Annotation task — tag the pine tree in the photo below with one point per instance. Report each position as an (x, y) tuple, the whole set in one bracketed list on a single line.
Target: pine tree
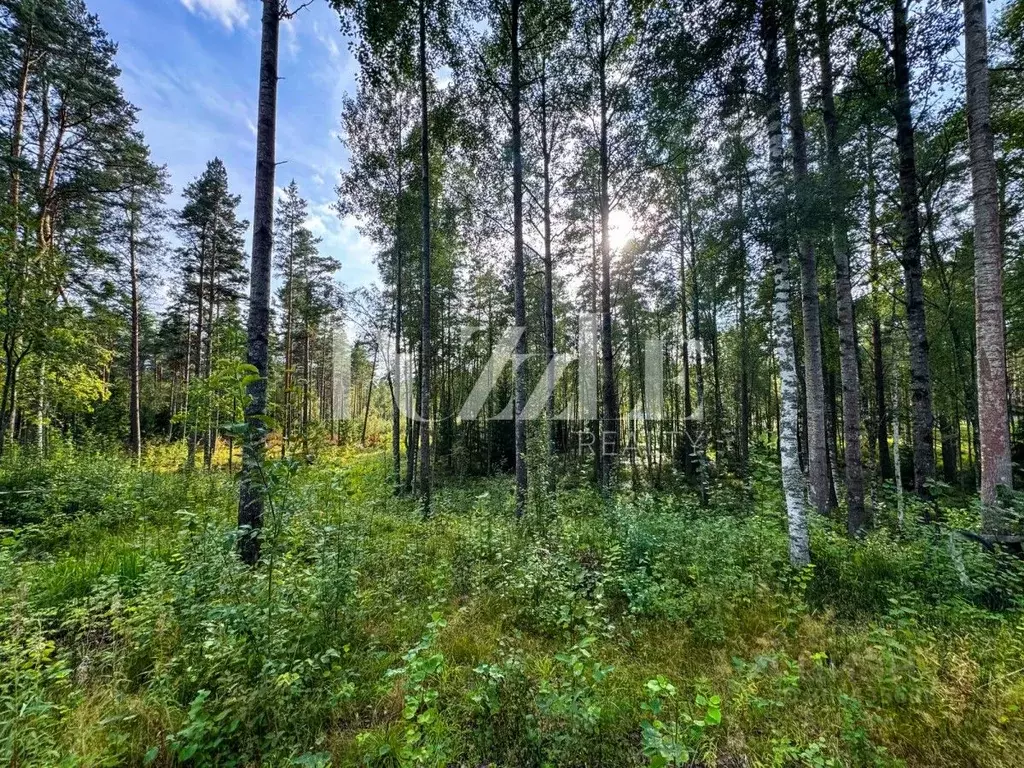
[(142, 189), (213, 277), (251, 491)]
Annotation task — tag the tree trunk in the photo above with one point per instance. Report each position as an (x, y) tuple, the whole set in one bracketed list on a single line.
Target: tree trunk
[(878, 361), (744, 361), (17, 128), (426, 477), (210, 434), (792, 477), (289, 362), (412, 450), (134, 414), (518, 266), (609, 438), (910, 257), (993, 425), (814, 382), (898, 471), (252, 490), (306, 374), (547, 140), (369, 396), (687, 448), (848, 365), (197, 373), (700, 439), (399, 385)]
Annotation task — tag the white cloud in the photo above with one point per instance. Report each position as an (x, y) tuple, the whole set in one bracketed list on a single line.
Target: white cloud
[(228, 12), (342, 239), (291, 38), (327, 41)]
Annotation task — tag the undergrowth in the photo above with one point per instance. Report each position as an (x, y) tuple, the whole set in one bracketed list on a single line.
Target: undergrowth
[(646, 630)]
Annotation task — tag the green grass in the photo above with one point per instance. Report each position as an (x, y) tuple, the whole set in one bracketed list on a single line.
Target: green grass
[(592, 633)]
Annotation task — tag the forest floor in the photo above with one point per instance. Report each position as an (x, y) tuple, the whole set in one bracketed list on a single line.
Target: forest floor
[(647, 630)]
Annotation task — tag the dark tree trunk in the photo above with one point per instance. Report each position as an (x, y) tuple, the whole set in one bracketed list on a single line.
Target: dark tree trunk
[(849, 370), (289, 362), (700, 438), (743, 436), (686, 449), (518, 266), (252, 489), (426, 477), (210, 433), (949, 442), (398, 384), (305, 381), (134, 415), (609, 437), (910, 258)]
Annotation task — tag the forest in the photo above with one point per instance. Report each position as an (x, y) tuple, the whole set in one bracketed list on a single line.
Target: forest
[(680, 425)]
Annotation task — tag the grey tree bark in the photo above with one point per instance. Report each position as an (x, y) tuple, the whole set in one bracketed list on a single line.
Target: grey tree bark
[(884, 469), (910, 258), (426, 477), (814, 381), (286, 433), (700, 436), (609, 437), (848, 366), (993, 424), (547, 140), (134, 414), (399, 385), (792, 476), (518, 266), (252, 489)]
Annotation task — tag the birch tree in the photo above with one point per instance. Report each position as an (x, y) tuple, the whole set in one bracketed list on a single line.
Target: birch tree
[(996, 469)]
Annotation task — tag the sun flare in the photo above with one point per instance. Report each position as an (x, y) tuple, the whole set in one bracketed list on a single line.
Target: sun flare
[(620, 229)]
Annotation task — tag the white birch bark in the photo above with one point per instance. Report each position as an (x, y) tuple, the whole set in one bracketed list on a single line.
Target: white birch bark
[(789, 397)]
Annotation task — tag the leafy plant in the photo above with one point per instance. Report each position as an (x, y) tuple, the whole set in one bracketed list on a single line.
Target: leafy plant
[(669, 735)]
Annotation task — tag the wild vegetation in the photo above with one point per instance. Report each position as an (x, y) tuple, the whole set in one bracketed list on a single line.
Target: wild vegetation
[(678, 429), (656, 630)]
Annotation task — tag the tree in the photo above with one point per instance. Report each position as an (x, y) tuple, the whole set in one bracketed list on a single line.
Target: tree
[(426, 356), (792, 477), (849, 368), (252, 487), (993, 423), (376, 187), (609, 40), (910, 255), (213, 276), (68, 107), (290, 218), (518, 264), (814, 383), (143, 187)]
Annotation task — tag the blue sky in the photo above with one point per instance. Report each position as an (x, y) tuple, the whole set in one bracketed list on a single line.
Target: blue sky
[(191, 67)]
